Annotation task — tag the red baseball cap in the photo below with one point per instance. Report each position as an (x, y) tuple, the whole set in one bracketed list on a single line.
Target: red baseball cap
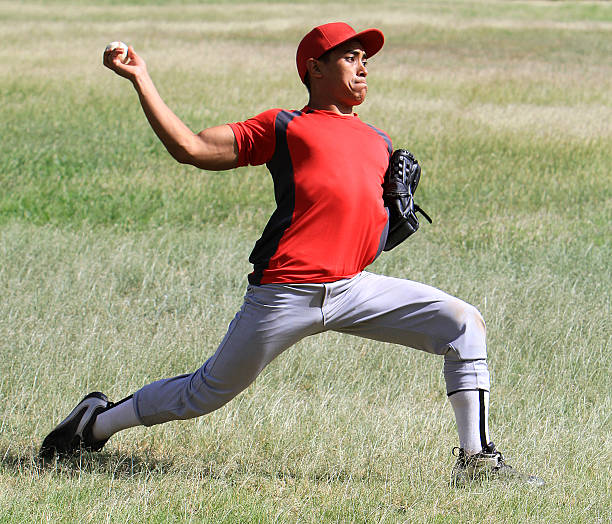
[(327, 36)]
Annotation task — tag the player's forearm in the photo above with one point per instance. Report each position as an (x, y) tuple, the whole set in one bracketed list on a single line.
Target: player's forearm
[(177, 138)]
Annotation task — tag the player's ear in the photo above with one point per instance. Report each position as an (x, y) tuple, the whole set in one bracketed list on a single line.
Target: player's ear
[(314, 70)]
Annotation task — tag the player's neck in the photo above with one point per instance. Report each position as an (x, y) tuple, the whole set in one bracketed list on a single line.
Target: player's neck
[(335, 107)]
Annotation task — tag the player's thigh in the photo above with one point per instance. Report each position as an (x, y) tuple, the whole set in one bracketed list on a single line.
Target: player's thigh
[(272, 319), (412, 314)]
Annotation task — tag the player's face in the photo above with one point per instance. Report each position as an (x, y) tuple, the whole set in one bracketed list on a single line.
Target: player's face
[(344, 74)]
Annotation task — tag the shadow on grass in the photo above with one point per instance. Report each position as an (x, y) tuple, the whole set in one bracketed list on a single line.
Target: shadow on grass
[(144, 464), (112, 462)]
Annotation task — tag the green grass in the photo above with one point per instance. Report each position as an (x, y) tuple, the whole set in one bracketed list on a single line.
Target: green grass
[(119, 266)]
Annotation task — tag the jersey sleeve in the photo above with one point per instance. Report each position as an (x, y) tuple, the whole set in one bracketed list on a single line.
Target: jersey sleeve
[(256, 138)]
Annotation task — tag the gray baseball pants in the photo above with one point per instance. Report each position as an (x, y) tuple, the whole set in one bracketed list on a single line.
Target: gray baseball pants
[(276, 316)]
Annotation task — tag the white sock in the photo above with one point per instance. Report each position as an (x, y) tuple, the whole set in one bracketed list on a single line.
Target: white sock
[(471, 414), (119, 417)]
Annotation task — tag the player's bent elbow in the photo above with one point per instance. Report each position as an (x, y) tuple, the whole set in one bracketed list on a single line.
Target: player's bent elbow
[(181, 151), (194, 156), (182, 157)]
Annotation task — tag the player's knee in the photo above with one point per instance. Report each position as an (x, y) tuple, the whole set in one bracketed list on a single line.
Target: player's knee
[(476, 321), (462, 329), (461, 316)]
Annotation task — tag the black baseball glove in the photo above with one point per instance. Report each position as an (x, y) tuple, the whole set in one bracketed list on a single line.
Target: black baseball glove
[(401, 180)]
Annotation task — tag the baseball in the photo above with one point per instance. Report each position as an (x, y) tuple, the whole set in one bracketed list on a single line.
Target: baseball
[(123, 55)]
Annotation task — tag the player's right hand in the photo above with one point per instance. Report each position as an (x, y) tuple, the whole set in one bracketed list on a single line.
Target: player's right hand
[(134, 67)]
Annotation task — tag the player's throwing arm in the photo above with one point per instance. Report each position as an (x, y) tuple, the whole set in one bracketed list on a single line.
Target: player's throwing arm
[(213, 149)]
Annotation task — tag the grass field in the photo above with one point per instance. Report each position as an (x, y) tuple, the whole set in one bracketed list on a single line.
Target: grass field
[(120, 266)]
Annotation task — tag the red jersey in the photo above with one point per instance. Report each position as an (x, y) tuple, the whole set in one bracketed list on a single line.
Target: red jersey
[(330, 221)]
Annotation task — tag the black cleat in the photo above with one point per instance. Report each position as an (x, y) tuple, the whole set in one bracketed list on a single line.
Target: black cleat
[(488, 464), (74, 432)]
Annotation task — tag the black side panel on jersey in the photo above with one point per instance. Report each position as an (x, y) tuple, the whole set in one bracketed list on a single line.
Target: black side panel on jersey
[(384, 137), (281, 169), (385, 232)]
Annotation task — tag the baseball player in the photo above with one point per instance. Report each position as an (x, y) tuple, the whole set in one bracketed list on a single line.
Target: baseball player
[(308, 276)]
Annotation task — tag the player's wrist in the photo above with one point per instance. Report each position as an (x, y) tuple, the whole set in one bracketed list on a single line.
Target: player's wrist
[(141, 81)]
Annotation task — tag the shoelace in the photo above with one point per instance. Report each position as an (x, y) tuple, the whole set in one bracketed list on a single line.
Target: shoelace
[(460, 454), (501, 463)]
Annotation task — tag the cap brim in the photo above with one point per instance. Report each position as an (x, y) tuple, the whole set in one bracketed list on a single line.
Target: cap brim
[(372, 40)]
